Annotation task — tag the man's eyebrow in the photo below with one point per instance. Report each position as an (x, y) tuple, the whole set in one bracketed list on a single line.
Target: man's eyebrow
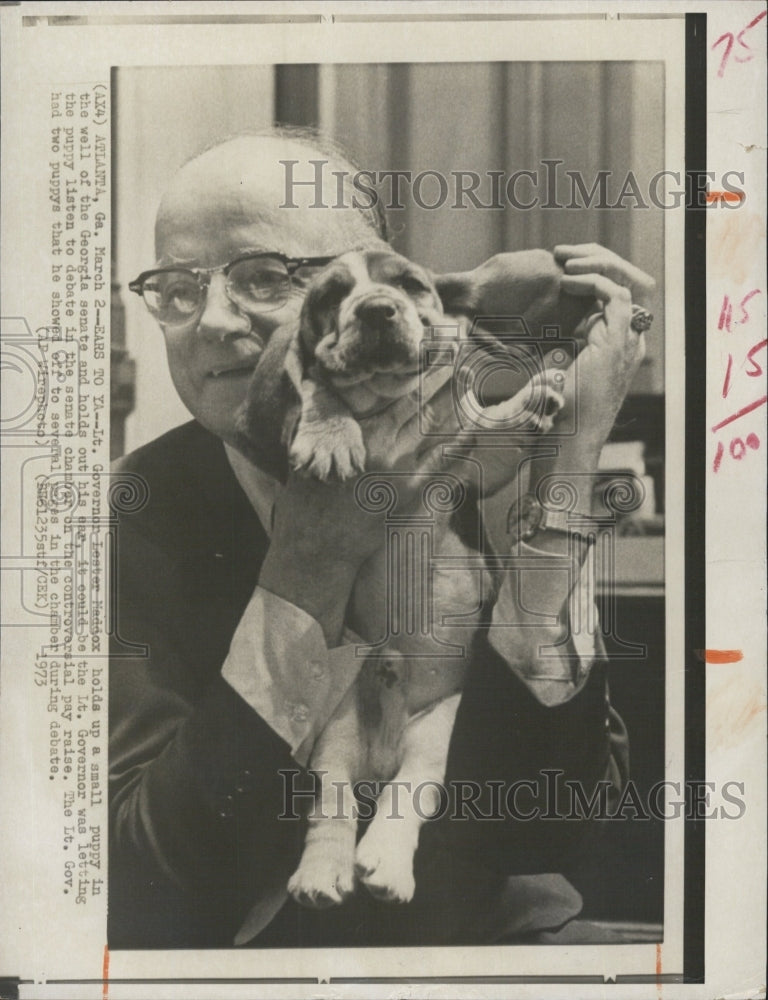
[(169, 260), (262, 249)]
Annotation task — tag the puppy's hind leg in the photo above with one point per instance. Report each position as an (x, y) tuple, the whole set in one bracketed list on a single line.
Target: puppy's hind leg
[(384, 857), (325, 875)]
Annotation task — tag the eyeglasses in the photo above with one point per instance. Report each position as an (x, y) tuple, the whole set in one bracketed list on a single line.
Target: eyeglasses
[(255, 282)]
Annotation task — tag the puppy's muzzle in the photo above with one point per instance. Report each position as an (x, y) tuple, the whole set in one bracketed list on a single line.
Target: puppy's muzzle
[(377, 315), (381, 336)]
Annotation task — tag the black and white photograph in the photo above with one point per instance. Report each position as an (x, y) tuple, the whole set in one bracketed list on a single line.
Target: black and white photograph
[(383, 432), (383, 635)]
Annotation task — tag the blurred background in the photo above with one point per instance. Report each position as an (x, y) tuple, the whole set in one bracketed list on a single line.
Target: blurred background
[(594, 116)]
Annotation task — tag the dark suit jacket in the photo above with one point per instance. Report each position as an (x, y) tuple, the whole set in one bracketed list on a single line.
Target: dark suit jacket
[(195, 782)]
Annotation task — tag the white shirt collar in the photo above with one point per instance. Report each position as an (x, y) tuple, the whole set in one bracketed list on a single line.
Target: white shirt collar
[(260, 488)]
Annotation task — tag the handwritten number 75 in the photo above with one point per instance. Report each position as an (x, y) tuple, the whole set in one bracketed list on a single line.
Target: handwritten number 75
[(728, 38)]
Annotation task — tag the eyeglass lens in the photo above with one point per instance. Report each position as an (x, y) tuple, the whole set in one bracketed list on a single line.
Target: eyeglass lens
[(255, 285)]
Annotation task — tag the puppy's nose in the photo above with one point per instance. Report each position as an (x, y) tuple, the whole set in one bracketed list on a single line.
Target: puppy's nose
[(376, 313)]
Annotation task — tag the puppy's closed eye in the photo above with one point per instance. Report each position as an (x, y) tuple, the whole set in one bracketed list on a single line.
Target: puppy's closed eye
[(331, 293), (412, 285), (320, 305)]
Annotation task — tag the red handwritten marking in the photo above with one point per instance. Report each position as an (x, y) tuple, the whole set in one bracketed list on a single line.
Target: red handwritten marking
[(740, 413), (729, 40), (743, 31), (719, 655), (737, 449), (713, 196), (105, 973), (757, 369), (742, 304), (727, 379), (725, 321), (725, 315)]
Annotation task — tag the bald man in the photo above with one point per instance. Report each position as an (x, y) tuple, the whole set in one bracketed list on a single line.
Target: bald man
[(230, 656)]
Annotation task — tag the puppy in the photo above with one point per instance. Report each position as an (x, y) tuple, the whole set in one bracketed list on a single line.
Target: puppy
[(357, 349), (355, 354)]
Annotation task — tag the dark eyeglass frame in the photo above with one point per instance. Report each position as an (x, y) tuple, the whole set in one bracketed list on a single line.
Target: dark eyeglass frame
[(203, 275)]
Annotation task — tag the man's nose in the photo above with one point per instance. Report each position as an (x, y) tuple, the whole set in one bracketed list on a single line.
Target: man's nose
[(221, 319)]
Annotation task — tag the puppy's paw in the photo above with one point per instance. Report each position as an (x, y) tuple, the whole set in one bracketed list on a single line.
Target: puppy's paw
[(333, 449), (548, 399), (385, 867), (324, 878)]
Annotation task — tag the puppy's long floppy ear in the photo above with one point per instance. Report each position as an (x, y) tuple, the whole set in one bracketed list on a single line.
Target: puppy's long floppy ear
[(267, 418), (524, 284)]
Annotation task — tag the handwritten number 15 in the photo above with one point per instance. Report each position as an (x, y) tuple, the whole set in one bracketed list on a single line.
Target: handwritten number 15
[(755, 369)]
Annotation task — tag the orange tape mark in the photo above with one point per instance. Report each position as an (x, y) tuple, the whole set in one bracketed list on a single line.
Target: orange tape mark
[(105, 973), (658, 969), (719, 655), (713, 196)]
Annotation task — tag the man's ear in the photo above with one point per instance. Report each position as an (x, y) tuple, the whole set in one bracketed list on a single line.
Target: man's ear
[(295, 362), (270, 411), (295, 368), (308, 334)]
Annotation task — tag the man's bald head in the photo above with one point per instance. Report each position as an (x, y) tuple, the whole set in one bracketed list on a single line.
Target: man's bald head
[(235, 197)]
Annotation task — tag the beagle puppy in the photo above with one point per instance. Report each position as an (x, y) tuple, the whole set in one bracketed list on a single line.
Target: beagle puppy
[(357, 349), (355, 354)]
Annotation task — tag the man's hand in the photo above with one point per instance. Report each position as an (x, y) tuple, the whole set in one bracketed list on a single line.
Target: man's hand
[(614, 351), (591, 258)]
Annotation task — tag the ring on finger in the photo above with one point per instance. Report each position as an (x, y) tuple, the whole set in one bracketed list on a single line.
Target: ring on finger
[(642, 320)]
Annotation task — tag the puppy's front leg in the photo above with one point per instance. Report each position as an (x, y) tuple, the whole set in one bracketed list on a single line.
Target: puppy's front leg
[(325, 875), (328, 441), (384, 857)]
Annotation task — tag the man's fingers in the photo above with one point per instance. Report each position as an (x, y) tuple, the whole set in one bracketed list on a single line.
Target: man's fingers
[(591, 258), (616, 299), (565, 251), (617, 270), (586, 265), (598, 286)]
